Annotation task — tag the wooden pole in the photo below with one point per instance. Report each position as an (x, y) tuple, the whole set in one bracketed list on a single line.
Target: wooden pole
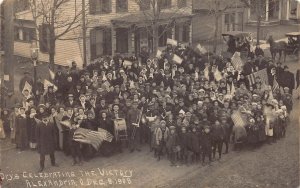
[(9, 42), (258, 12), (84, 34)]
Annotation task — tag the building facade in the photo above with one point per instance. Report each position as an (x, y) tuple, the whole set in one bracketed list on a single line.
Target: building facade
[(113, 27), (275, 11), (233, 17)]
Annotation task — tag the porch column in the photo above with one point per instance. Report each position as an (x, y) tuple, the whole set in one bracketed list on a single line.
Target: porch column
[(191, 33), (267, 10), (249, 11), (280, 10), (131, 42), (298, 10), (288, 9), (113, 41), (173, 32)]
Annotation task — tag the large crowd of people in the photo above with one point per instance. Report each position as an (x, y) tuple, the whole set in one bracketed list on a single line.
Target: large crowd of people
[(184, 110)]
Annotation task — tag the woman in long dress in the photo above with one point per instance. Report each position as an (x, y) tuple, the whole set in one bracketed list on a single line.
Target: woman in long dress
[(21, 130), (31, 125), (13, 117)]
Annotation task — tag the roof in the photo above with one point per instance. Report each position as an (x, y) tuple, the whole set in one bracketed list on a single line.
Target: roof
[(236, 33), (293, 34), (146, 17)]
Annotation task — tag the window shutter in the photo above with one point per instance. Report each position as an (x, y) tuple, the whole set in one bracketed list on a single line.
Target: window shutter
[(107, 43), (92, 6), (92, 42), (42, 38)]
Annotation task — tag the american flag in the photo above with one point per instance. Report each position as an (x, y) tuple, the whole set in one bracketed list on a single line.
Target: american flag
[(237, 61), (238, 119), (95, 138), (262, 74)]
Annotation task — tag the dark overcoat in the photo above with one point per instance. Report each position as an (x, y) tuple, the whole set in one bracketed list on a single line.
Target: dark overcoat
[(45, 135), (21, 132)]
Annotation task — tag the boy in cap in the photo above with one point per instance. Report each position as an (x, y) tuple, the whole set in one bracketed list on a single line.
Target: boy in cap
[(218, 133), (206, 144), (173, 146), (161, 136)]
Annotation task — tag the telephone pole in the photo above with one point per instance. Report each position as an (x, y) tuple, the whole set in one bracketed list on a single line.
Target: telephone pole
[(1, 59), (8, 6), (258, 12), (84, 34)]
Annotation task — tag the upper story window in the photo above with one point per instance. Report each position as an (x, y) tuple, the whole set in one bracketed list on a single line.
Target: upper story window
[(164, 4), (122, 5), (22, 5), (100, 6), (24, 34), (181, 3), (144, 4)]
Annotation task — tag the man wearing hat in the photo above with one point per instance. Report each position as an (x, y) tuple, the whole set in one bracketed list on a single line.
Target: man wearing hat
[(151, 114), (70, 101), (45, 135), (133, 123), (50, 96), (287, 79)]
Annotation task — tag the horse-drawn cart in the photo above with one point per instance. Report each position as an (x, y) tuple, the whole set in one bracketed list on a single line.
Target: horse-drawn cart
[(238, 41), (293, 45)]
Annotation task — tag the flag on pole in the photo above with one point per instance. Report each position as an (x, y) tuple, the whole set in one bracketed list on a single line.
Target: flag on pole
[(95, 138), (275, 85), (206, 73), (238, 119), (262, 74), (52, 75), (127, 63), (28, 87), (158, 54), (217, 74), (237, 61), (201, 49), (232, 90), (47, 83), (66, 123), (177, 59), (172, 42)]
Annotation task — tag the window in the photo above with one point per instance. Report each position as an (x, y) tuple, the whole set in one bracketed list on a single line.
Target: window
[(164, 33), (22, 5), (24, 34), (100, 6), (165, 4), (181, 3), (145, 4), (230, 22), (100, 40), (122, 40), (182, 33), (44, 36), (122, 5)]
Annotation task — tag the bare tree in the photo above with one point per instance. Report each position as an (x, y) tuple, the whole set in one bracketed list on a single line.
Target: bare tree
[(56, 19), (153, 11), (216, 9)]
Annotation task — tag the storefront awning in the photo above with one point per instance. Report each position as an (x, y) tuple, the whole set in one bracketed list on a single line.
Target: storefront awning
[(146, 18)]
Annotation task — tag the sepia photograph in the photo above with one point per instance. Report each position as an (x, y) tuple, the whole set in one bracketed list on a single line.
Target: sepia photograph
[(149, 93)]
